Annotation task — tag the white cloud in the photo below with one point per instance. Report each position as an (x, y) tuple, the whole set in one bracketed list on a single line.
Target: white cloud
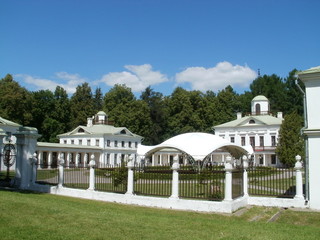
[(218, 77), (68, 81), (138, 78)]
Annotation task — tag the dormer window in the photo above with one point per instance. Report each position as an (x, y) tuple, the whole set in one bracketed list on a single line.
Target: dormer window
[(81, 130), (252, 121), (123, 131)]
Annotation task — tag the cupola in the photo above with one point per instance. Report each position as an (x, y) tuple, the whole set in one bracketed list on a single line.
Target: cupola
[(260, 105)]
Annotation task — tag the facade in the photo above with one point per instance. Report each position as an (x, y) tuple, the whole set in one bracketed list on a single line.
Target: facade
[(259, 129), (111, 145)]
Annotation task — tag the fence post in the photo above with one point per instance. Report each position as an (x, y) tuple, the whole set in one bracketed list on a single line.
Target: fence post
[(245, 175), (61, 169), (175, 178), (33, 161), (92, 165), (299, 185), (130, 166), (228, 181)]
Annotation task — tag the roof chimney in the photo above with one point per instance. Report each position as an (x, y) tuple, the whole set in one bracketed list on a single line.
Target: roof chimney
[(89, 122), (279, 115), (239, 115)]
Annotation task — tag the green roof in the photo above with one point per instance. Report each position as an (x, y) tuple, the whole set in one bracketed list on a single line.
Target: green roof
[(99, 129), (260, 119), (8, 123), (311, 70), (260, 98)]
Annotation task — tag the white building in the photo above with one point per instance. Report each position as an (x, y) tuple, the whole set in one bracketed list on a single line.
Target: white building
[(259, 129), (110, 145)]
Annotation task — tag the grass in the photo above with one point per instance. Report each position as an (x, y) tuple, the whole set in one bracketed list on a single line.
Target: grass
[(26, 215)]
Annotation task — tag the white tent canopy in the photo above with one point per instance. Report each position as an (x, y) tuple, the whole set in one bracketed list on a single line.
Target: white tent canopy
[(197, 145)]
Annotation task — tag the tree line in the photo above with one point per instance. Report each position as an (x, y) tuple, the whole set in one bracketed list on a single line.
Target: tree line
[(152, 115)]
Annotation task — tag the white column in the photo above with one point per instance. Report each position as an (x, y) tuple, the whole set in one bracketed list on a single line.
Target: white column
[(264, 160), (245, 175), (160, 159), (92, 165), (40, 159), (61, 166), (49, 159), (153, 160), (68, 159), (33, 161), (299, 184), (130, 185), (77, 159), (175, 178), (228, 181)]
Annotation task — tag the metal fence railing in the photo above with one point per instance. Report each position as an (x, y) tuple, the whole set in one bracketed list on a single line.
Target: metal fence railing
[(47, 174), (269, 181), (110, 178), (237, 182), (153, 180), (76, 177), (207, 183)]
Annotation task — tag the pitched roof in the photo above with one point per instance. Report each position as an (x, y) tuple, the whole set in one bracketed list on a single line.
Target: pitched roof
[(260, 98), (99, 130), (8, 123), (266, 120)]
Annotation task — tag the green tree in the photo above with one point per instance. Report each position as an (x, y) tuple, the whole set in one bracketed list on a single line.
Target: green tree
[(15, 101), (157, 114), (62, 109), (81, 105), (290, 141), (227, 105), (98, 100), (272, 87), (294, 95)]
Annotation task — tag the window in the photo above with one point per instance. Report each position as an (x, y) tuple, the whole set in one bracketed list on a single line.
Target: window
[(97, 142), (122, 143), (261, 141), (258, 109), (232, 139), (273, 141), (115, 158), (81, 130), (136, 144), (89, 142), (273, 159), (129, 145), (80, 141), (72, 141), (243, 141), (108, 143), (252, 121), (116, 143), (65, 141), (260, 159), (222, 136), (252, 142), (108, 158)]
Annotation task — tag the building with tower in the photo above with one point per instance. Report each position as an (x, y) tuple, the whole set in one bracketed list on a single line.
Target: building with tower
[(260, 129)]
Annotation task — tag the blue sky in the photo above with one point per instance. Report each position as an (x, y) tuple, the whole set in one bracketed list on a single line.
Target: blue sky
[(197, 44)]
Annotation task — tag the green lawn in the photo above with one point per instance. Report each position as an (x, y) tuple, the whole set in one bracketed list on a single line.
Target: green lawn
[(43, 216)]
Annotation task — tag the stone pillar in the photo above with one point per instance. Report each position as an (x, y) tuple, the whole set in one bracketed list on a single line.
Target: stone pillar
[(299, 182), (26, 145), (245, 175), (311, 80), (61, 169), (228, 180), (92, 165), (175, 178), (130, 184)]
